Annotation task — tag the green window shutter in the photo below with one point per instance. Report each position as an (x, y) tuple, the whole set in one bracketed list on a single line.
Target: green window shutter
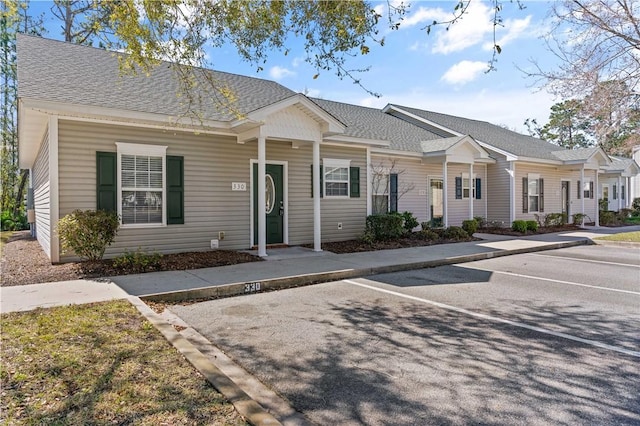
[(393, 192), (579, 190), (175, 190), (591, 189), (321, 181), (541, 195), (106, 181), (525, 195), (615, 192), (622, 191), (458, 188), (478, 189), (354, 182)]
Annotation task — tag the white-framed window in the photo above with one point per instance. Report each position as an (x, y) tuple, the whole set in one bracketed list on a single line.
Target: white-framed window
[(587, 189), (466, 186), (141, 184), (336, 178), (534, 192), (380, 194)]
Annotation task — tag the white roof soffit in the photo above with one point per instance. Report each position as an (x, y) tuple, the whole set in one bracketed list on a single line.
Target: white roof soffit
[(31, 128), (330, 124), (357, 141)]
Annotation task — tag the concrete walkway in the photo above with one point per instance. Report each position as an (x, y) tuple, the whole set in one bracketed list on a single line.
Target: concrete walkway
[(284, 268)]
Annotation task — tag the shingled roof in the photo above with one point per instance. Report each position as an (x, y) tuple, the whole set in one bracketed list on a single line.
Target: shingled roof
[(496, 136), (56, 71)]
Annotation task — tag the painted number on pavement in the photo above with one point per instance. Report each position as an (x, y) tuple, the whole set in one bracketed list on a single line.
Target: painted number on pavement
[(251, 287)]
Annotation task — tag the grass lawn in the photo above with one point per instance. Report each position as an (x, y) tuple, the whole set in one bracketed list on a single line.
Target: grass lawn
[(633, 220), (632, 237), (100, 364)]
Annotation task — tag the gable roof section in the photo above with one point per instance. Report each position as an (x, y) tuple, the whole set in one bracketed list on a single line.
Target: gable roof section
[(373, 124), (490, 134), (56, 71), (623, 166)]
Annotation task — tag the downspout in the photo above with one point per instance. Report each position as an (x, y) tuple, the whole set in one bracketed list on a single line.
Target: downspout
[(512, 190), (472, 181), (369, 183), (595, 189), (317, 223)]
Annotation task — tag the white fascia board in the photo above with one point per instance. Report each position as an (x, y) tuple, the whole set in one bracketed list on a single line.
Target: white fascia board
[(390, 107), (395, 153), (540, 161), (127, 116), (32, 126), (357, 141)]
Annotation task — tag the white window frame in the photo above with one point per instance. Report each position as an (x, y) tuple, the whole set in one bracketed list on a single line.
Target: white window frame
[(586, 191), (531, 177), (329, 163), (385, 176), (468, 187), (125, 148)]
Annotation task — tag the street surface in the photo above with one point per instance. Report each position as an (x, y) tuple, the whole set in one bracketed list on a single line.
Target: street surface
[(543, 338)]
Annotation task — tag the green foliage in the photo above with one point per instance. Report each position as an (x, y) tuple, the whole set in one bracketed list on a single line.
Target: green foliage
[(624, 213), (455, 233), (410, 221), (532, 225), (603, 204), (385, 226), (519, 226), (555, 219), (470, 226), (482, 222), (635, 205), (11, 222), (138, 261), (608, 218), (429, 235), (425, 225), (578, 218), (88, 233)]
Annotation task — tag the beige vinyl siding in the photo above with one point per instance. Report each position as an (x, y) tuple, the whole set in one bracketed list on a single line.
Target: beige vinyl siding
[(458, 209), (41, 195), (480, 206), (351, 212), (497, 193), (553, 177), (211, 164)]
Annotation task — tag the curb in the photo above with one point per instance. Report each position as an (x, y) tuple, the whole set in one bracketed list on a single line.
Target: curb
[(241, 288), (625, 244), (253, 412)]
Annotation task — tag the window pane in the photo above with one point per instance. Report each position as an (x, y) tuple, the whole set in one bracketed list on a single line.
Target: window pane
[(337, 173), (141, 207), (533, 187), (533, 204), (380, 204), (336, 189)]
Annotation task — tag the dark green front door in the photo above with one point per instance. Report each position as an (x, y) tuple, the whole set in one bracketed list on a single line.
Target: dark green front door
[(274, 203)]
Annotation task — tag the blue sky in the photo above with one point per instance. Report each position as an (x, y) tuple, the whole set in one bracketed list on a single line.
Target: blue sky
[(442, 71)]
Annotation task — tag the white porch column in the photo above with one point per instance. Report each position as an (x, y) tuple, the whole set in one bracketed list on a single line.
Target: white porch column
[(582, 186), (512, 190), (369, 183), (54, 194), (445, 197), (595, 189), (472, 188), (619, 192), (627, 192), (262, 213), (317, 224)]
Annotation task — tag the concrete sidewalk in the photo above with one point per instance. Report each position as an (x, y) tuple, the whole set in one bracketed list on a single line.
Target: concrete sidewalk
[(284, 268)]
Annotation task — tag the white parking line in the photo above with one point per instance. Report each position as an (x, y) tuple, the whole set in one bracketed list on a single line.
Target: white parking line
[(500, 320), (588, 260), (513, 274)]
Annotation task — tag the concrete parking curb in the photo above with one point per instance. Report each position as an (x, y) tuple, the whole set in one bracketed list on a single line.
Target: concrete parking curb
[(253, 412), (616, 243), (240, 288)]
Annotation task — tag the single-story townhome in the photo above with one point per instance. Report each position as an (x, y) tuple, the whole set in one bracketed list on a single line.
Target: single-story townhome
[(280, 168)]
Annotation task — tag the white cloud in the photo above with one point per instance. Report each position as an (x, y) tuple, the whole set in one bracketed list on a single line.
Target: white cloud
[(278, 73), (510, 108), (297, 61), (464, 72), (424, 16), (515, 29)]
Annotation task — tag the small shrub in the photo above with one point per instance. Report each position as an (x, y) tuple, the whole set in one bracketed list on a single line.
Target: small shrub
[(608, 218), (532, 225), (385, 226), (482, 222), (137, 261), (455, 233), (470, 226), (425, 225), (11, 222), (519, 226), (429, 235), (367, 237), (410, 221), (555, 219), (624, 214), (603, 204), (495, 224), (88, 233), (578, 218), (635, 205)]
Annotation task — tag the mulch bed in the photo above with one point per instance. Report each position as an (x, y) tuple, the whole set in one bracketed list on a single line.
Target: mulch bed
[(541, 230), (24, 262)]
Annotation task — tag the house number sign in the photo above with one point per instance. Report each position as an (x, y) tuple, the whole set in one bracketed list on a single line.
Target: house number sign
[(238, 186)]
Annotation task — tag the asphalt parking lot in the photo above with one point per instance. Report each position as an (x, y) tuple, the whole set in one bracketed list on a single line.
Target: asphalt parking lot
[(545, 338)]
